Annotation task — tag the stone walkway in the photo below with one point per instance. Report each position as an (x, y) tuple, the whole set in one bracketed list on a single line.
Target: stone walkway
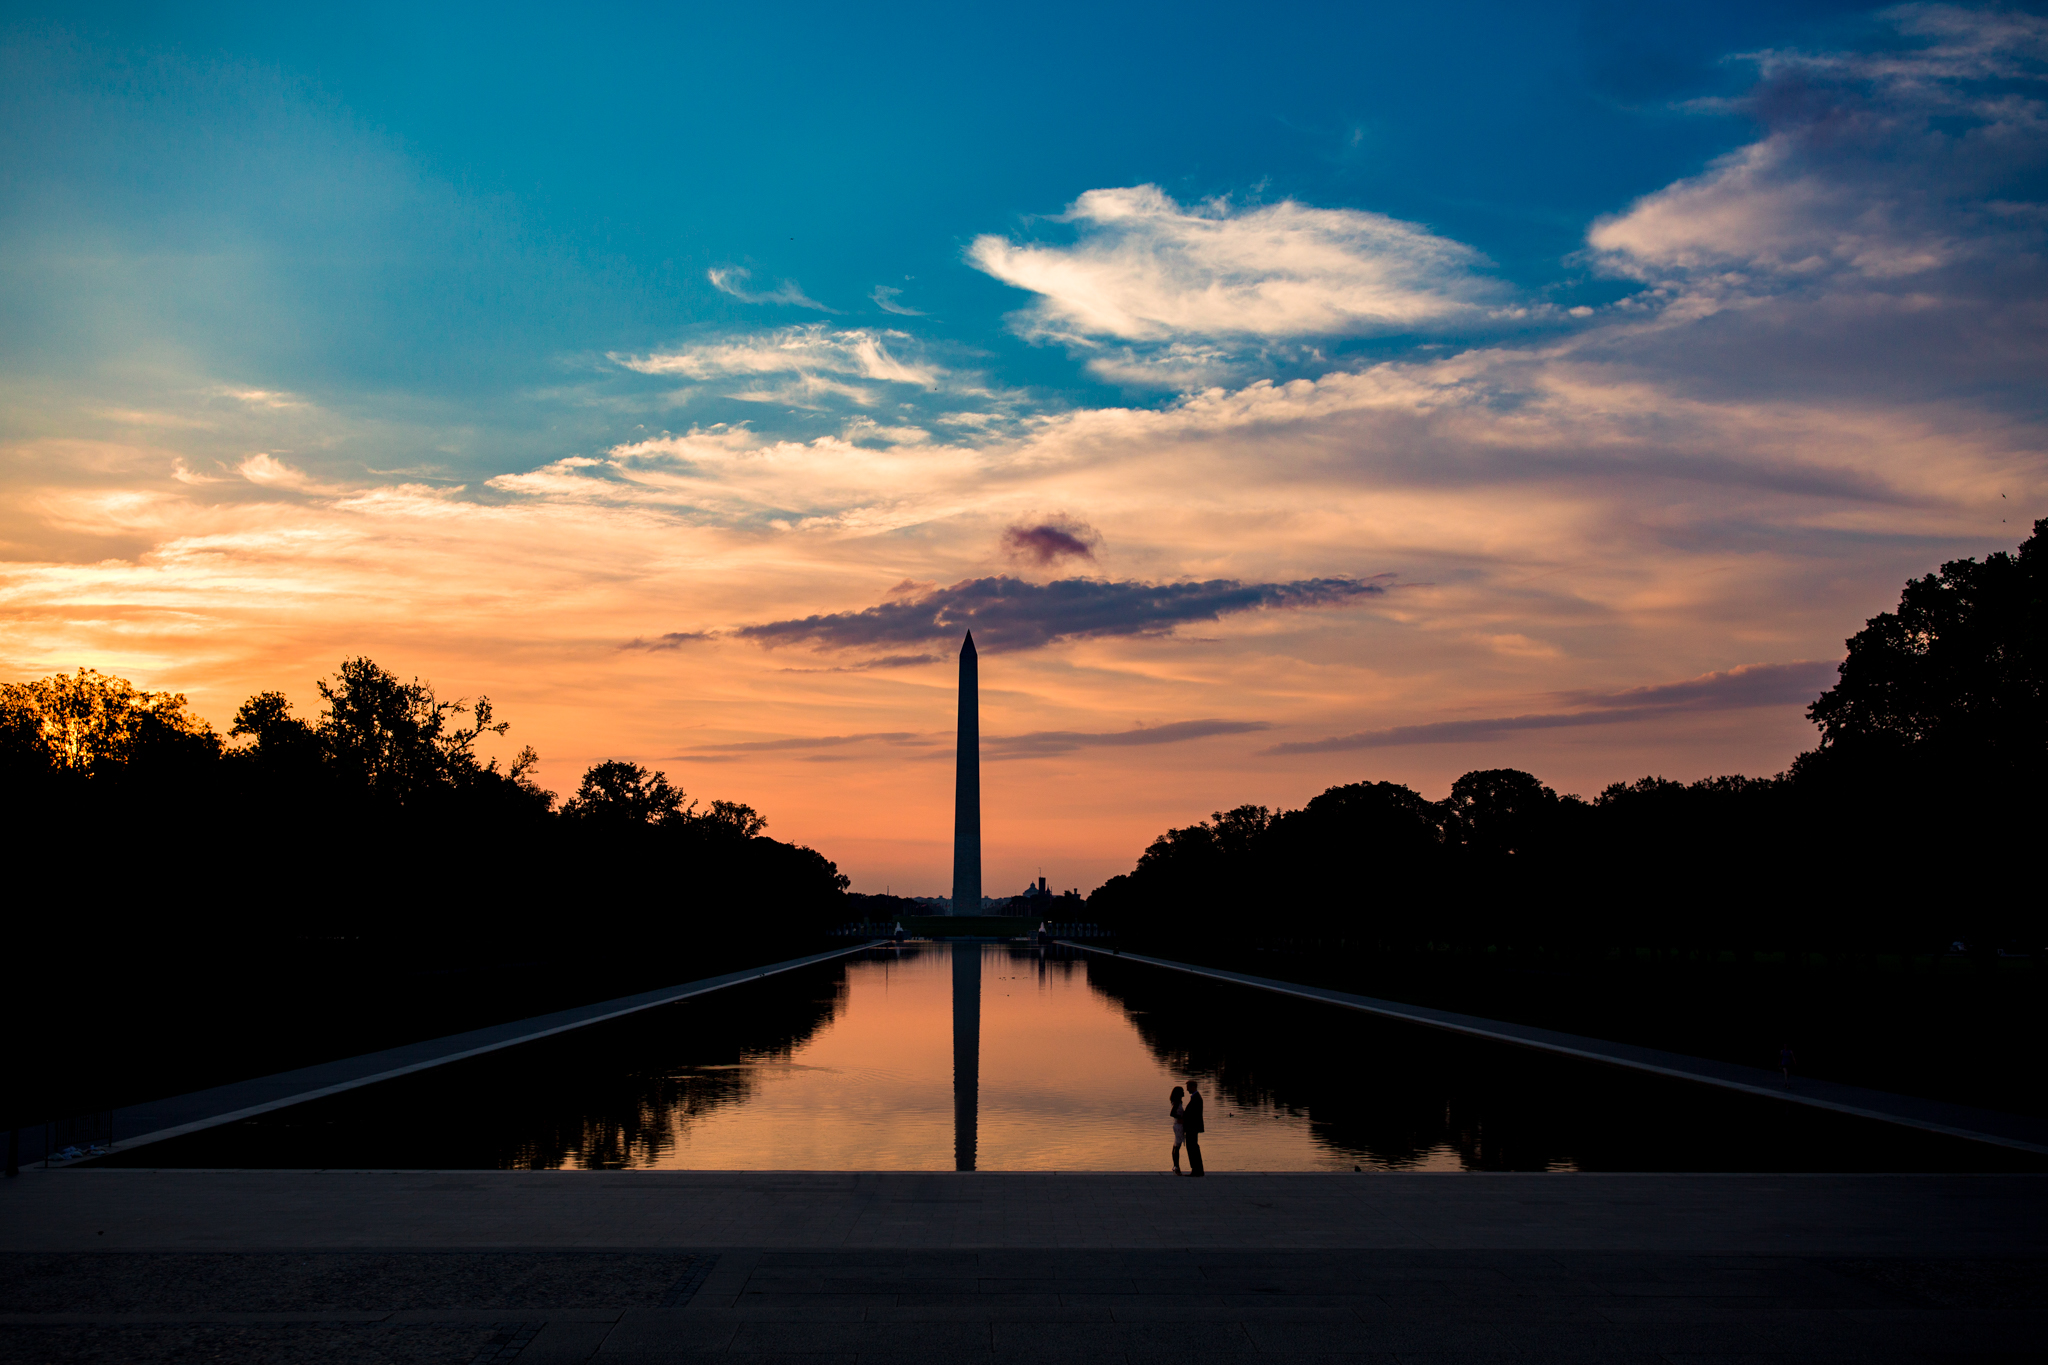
[(91, 1209), (1980, 1125), (148, 1267)]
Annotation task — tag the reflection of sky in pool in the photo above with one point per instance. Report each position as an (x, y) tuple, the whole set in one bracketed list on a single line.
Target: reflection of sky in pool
[(850, 1066), (1066, 1083)]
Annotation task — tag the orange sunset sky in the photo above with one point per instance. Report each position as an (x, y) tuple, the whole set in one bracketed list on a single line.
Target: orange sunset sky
[(1593, 483)]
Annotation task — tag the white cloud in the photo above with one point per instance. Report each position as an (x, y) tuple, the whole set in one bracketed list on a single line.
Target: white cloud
[(185, 474), (1147, 269), (267, 471), (732, 280), (867, 429), (261, 398), (1764, 210)]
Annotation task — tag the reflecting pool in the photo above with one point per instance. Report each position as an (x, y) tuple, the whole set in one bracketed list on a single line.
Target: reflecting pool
[(999, 1056)]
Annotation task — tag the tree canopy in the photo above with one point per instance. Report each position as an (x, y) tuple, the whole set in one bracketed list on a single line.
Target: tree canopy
[(1956, 677), (1910, 824), (379, 814), (92, 724)]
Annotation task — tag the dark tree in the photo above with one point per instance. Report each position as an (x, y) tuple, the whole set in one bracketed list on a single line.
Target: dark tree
[(740, 819), (1350, 865), (1720, 860), (1957, 677), (266, 721), (1925, 797), (1499, 812), (282, 747), (620, 793), (399, 739)]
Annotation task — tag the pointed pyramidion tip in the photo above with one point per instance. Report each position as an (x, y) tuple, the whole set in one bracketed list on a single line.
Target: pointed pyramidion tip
[(967, 646)]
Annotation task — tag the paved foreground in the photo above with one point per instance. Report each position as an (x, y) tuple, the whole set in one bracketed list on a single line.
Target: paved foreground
[(138, 1266)]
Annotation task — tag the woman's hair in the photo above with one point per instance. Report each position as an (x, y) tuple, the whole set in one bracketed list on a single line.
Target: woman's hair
[(1177, 1093)]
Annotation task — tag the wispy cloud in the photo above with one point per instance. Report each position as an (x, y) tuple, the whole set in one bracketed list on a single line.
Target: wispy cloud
[(732, 280), (185, 474), (1867, 162), (776, 746), (272, 399), (1008, 613), (807, 391), (885, 297), (1960, 45), (268, 471), (1737, 688), (815, 348), (1038, 743), (870, 665)]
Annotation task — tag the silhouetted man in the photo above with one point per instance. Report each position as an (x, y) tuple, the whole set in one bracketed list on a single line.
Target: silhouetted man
[(1191, 1120)]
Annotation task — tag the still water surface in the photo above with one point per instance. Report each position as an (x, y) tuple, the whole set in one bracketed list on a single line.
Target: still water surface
[(899, 1059)]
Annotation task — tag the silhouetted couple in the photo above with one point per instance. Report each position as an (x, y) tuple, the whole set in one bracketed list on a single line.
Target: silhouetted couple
[(1187, 1126)]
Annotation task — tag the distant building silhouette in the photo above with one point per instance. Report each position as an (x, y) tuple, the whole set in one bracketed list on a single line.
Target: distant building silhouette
[(1040, 902)]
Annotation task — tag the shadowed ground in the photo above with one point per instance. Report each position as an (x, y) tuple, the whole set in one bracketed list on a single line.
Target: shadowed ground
[(163, 1266)]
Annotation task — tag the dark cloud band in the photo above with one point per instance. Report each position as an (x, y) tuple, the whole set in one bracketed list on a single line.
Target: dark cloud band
[(1040, 742), (1033, 744), (1007, 613), (758, 746), (675, 639), (1735, 689)]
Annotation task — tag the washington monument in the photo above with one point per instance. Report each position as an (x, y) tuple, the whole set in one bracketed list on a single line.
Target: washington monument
[(967, 789)]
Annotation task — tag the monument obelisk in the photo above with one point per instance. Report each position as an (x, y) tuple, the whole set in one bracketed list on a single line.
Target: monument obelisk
[(967, 789), (967, 901)]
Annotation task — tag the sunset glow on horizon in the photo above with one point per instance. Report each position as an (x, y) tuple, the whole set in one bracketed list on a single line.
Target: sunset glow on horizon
[(1403, 417)]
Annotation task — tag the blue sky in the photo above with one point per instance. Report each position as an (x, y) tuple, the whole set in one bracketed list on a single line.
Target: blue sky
[(470, 204), (1621, 359)]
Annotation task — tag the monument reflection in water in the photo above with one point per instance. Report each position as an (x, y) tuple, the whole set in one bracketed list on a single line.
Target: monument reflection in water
[(938, 1056), (966, 1055)]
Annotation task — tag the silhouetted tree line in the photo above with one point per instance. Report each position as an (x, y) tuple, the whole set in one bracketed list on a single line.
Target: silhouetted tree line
[(1915, 822), (879, 907), (376, 817)]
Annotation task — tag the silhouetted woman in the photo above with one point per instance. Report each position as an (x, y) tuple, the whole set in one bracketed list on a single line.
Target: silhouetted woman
[(1179, 1133)]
